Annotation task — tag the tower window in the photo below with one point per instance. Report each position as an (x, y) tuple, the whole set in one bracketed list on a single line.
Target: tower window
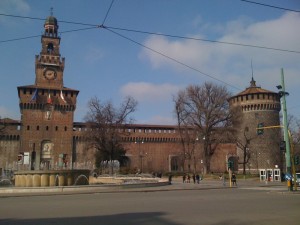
[(65, 128), (47, 128), (28, 127), (56, 128), (37, 127), (50, 48)]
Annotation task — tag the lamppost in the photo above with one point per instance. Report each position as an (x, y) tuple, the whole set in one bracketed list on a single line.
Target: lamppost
[(139, 142), (282, 94)]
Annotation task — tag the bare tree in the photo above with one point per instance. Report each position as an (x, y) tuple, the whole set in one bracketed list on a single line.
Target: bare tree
[(206, 109), (294, 128), (104, 125), (243, 144), (188, 135)]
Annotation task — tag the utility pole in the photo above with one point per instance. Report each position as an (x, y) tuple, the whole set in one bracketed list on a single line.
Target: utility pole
[(285, 128)]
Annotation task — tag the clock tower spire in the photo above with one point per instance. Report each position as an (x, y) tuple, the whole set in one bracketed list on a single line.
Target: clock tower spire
[(49, 65), (47, 107)]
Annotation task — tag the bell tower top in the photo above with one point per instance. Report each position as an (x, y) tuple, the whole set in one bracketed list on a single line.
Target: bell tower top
[(51, 25)]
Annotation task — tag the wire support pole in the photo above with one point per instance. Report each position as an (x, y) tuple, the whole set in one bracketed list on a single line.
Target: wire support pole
[(285, 126)]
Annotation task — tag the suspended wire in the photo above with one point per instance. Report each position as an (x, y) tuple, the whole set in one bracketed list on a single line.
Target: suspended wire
[(93, 26), (272, 6), (43, 19), (61, 32), (22, 17), (205, 40), (170, 58), (109, 29), (107, 12), (19, 39), (158, 34)]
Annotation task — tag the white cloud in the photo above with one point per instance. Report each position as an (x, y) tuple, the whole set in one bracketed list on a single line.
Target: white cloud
[(20, 7), (233, 63), (148, 92), (6, 113)]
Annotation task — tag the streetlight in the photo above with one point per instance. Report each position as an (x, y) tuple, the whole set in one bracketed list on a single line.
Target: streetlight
[(282, 95), (139, 142)]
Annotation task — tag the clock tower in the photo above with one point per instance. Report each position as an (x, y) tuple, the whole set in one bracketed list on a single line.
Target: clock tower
[(47, 107)]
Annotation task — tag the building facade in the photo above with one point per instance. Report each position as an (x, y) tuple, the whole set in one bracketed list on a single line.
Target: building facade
[(46, 137)]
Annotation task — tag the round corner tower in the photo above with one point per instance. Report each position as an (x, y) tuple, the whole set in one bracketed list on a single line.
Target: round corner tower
[(258, 150)]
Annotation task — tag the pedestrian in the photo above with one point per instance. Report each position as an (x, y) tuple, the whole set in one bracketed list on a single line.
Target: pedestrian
[(183, 178), (197, 178), (194, 178), (188, 178), (223, 179), (233, 179), (170, 178)]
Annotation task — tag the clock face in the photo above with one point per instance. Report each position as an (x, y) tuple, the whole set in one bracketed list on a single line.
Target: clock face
[(50, 74)]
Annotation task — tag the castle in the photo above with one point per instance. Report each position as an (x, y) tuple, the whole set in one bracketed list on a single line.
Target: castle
[(47, 137)]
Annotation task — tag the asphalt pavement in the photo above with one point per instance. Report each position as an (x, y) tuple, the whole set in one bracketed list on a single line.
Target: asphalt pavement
[(164, 185)]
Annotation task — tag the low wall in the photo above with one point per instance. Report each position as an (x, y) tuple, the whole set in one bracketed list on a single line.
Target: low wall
[(122, 180), (41, 178)]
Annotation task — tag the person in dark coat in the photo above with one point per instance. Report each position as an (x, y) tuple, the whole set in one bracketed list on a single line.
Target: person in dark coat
[(233, 179), (197, 178)]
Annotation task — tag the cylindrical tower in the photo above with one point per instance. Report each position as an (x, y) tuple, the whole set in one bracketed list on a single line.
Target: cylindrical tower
[(257, 151)]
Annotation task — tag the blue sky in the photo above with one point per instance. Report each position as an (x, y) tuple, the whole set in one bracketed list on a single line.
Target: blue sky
[(104, 64)]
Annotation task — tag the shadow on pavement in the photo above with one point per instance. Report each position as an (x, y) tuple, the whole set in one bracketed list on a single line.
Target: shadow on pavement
[(148, 218)]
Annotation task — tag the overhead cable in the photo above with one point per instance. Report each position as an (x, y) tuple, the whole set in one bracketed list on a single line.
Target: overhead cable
[(61, 32), (107, 12), (159, 34), (272, 6), (205, 40), (172, 59)]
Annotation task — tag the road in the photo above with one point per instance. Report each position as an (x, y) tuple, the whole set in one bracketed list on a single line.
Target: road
[(233, 206)]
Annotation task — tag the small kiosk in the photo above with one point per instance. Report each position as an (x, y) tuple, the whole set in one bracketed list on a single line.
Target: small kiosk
[(269, 175)]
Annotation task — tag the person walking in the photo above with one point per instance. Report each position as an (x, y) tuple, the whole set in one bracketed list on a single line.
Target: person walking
[(197, 178), (223, 178), (188, 178), (233, 179)]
